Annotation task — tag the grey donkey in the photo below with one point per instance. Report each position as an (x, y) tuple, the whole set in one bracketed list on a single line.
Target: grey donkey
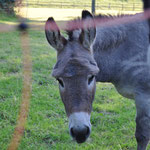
[(116, 54)]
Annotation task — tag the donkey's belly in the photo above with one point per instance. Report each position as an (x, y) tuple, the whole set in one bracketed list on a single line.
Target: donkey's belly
[(125, 90)]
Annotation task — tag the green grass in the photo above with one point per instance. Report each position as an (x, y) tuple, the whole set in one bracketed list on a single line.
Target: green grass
[(112, 118), (5, 18)]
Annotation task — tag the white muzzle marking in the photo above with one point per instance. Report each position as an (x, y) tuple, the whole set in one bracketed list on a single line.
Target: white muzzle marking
[(79, 119)]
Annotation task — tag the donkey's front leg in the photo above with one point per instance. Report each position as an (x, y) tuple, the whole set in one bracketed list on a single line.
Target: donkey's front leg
[(142, 120)]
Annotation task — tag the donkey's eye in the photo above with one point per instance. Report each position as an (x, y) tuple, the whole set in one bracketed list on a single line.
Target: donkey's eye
[(60, 82), (91, 78)]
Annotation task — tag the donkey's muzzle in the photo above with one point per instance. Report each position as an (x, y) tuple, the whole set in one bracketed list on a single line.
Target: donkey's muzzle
[(80, 134), (79, 126)]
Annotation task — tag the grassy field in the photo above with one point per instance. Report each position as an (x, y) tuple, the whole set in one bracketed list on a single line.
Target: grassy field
[(112, 118)]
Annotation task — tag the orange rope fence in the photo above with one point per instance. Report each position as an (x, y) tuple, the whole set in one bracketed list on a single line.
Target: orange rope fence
[(27, 80), (26, 92), (71, 25)]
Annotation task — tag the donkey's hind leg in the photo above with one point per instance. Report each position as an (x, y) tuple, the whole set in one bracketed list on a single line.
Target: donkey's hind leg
[(142, 120)]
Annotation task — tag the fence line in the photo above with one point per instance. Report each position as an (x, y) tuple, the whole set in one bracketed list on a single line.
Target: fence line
[(104, 6)]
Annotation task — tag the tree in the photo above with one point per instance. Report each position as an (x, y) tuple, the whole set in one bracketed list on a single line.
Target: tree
[(7, 5)]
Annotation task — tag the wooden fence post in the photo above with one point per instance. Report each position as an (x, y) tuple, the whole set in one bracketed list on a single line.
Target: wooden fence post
[(93, 6)]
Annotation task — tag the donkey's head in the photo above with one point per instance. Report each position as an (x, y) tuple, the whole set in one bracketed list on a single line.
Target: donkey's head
[(75, 71)]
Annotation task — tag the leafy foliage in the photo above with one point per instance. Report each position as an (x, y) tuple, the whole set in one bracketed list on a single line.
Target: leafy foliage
[(7, 5)]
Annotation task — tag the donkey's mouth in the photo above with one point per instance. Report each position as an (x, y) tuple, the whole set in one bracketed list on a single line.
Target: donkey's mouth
[(79, 126), (80, 139), (80, 135)]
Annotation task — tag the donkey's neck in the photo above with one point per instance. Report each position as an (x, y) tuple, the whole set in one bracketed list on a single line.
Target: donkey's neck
[(110, 37), (115, 46), (105, 47)]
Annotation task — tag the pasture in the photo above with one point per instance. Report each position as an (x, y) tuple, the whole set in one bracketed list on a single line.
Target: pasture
[(113, 117)]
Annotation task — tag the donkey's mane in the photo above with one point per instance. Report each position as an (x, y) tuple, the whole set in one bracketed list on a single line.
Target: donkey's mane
[(113, 36), (71, 33), (112, 16)]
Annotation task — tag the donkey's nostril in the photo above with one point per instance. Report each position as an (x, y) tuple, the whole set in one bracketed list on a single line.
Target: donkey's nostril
[(80, 134), (88, 130), (72, 132)]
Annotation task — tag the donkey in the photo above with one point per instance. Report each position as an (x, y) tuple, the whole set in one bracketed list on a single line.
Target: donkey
[(116, 54)]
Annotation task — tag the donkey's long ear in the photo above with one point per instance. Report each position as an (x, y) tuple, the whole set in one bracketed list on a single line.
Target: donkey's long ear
[(89, 31), (55, 39)]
